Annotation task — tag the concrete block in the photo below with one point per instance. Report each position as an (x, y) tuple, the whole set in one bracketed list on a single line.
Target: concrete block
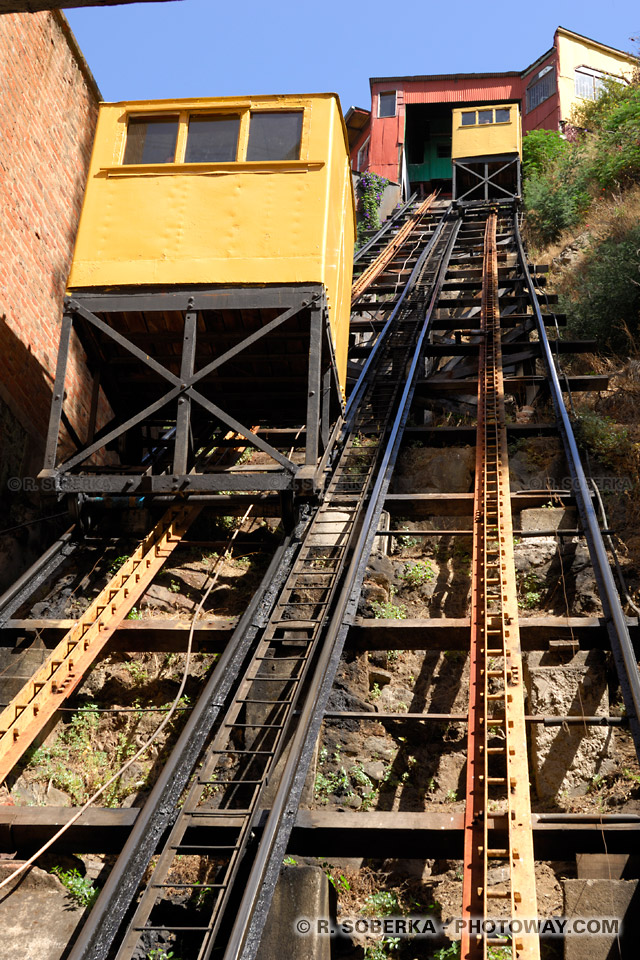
[(567, 759), (602, 898), (38, 919), (548, 518), (302, 892), (433, 470)]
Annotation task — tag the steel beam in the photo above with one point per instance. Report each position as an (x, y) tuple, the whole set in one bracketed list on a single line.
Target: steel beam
[(428, 834)]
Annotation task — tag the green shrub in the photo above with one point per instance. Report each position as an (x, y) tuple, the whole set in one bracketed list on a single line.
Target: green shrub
[(540, 149), (604, 302), (601, 437), (80, 889), (418, 573), (386, 610), (601, 152)]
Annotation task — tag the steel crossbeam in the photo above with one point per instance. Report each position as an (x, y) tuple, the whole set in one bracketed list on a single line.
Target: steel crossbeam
[(37, 702), (497, 764)]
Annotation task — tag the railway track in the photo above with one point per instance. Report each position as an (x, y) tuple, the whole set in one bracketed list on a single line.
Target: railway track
[(247, 745)]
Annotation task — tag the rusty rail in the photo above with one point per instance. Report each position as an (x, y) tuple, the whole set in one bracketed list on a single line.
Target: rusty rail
[(378, 266), (497, 767)]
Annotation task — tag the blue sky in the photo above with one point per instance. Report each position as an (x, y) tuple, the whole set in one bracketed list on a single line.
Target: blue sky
[(209, 48)]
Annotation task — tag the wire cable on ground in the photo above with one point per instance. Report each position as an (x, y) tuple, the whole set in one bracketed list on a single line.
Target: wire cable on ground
[(161, 726)]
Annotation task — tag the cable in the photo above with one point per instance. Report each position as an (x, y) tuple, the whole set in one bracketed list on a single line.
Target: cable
[(29, 523), (172, 709)]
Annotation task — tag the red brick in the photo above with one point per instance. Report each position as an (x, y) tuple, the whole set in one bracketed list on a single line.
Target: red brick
[(49, 111)]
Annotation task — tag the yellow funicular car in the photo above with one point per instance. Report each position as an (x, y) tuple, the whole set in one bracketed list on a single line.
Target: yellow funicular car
[(486, 150), (210, 290)]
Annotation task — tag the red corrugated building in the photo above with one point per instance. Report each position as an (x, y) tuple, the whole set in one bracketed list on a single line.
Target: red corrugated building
[(407, 135)]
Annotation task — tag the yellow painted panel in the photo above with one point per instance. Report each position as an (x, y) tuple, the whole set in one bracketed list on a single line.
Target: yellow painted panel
[(482, 140), (575, 51), (179, 224)]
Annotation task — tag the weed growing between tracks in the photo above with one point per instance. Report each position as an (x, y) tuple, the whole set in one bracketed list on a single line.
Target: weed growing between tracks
[(81, 889), (92, 747)]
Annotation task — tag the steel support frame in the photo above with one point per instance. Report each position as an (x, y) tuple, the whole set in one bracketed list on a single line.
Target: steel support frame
[(486, 179), (183, 475)]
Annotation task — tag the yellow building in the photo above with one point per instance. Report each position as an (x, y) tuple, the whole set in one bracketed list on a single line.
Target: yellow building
[(583, 65), (216, 240)]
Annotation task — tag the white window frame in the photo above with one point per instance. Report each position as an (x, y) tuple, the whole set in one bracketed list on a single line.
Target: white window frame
[(387, 93), (583, 72), (359, 156), (537, 83)]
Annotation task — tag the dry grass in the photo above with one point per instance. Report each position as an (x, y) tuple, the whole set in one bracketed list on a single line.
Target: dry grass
[(611, 216)]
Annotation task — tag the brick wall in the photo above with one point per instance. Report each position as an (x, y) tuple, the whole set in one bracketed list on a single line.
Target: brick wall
[(47, 121)]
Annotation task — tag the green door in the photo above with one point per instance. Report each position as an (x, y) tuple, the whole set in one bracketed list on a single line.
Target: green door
[(440, 158), (430, 148), (436, 161)]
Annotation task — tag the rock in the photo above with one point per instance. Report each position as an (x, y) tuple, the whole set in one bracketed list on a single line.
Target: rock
[(380, 569), (375, 593), (38, 793), (498, 875), (135, 775), (57, 798), (95, 681), (160, 598), (39, 918), (380, 658), (340, 700), (350, 744), (396, 698), (528, 474), (435, 470), (355, 802), (567, 760), (375, 770), (379, 676), (378, 746), (601, 899), (28, 794)]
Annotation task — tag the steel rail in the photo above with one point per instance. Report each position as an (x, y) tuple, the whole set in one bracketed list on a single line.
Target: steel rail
[(621, 644), (363, 380), (27, 582), (101, 932), (119, 890), (251, 914), (378, 266), (386, 226)]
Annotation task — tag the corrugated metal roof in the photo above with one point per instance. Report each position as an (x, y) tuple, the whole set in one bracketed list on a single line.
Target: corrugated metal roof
[(444, 76), (463, 93)]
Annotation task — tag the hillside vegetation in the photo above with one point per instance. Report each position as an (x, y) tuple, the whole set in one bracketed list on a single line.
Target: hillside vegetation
[(582, 201)]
